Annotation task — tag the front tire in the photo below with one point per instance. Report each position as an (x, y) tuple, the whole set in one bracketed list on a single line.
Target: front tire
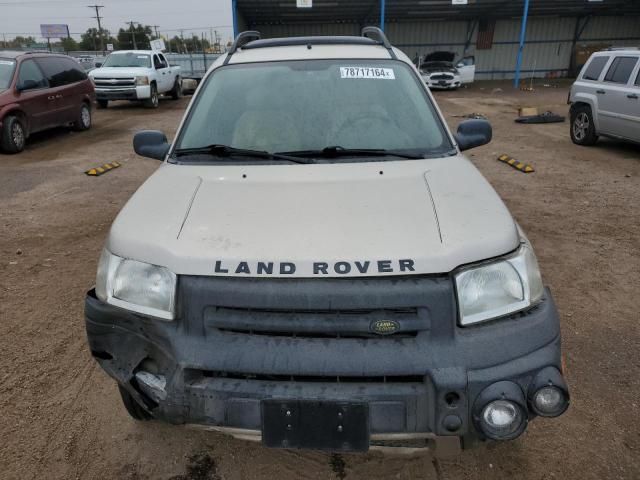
[(153, 101), (583, 130), (14, 135), (133, 409), (176, 93), (84, 119)]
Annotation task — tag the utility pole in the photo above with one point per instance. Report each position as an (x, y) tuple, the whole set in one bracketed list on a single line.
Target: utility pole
[(155, 27), (133, 34), (184, 45), (98, 17)]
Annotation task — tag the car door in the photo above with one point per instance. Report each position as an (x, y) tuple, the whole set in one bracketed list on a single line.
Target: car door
[(164, 78), (33, 95), (57, 72), (74, 91), (467, 69), (615, 108), (170, 76)]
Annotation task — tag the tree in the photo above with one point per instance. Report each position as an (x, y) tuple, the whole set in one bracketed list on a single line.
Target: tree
[(91, 39), (68, 44), (18, 42), (142, 36), (193, 44)]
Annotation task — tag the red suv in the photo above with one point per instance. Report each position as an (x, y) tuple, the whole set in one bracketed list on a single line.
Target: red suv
[(40, 91)]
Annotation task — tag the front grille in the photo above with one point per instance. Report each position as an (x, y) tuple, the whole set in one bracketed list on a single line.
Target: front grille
[(192, 375), (442, 77), (322, 308), (317, 323), (115, 82)]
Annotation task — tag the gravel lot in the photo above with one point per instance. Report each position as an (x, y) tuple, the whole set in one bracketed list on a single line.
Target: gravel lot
[(62, 417)]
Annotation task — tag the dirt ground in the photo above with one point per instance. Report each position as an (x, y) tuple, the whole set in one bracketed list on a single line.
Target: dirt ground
[(61, 416)]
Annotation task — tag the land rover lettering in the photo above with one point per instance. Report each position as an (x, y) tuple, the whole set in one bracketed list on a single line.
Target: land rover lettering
[(361, 267)]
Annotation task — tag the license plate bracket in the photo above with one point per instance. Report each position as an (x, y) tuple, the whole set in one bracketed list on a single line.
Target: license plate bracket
[(318, 425)]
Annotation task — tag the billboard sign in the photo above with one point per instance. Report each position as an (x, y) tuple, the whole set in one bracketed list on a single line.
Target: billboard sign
[(54, 31)]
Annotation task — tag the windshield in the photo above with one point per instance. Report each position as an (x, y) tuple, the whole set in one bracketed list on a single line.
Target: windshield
[(6, 72), (127, 60), (310, 105)]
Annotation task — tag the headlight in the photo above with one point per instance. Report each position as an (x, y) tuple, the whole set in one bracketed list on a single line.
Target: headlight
[(137, 286), (499, 288), (142, 80)]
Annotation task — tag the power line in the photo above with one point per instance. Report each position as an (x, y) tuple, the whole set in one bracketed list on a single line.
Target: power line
[(98, 17)]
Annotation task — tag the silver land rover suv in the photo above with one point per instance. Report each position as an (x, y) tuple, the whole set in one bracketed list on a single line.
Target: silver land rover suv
[(316, 264), (605, 99)]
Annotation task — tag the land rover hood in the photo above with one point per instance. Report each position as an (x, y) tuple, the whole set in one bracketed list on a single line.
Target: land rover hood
[(358, 219)]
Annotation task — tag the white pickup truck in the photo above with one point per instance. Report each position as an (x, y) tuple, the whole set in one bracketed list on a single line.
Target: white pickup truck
[(136, 75)]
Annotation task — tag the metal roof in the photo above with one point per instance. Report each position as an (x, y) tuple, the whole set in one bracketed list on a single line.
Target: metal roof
[(256, 12)]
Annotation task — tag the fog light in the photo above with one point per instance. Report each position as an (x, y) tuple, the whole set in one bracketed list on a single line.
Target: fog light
[(502, 420), (549, 401)]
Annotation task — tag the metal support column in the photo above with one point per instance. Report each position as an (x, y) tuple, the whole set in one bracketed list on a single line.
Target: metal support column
[(234, 7), (523, 36), (382, 10)]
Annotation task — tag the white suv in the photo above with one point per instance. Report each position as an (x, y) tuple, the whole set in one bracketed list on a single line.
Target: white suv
[(315, 264), (605, 99)]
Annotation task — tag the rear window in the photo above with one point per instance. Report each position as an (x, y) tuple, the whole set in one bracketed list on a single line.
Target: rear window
[(620, 70), (638, 79), (595, 68), (6, 72), (61, 71)]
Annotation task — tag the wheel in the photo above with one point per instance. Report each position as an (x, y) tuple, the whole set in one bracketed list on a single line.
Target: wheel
[(176, 93), (133, 409), (583, 131), (103, 103), (153, 101), (13, 135), (84, 119)]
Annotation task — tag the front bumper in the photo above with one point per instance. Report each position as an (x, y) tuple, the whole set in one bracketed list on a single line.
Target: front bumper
[(442, 84), (125, 93), (216, 377)]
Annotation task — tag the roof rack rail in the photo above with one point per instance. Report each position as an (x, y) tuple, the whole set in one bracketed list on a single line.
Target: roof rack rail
[(613, 49), (241, 40), (378, 35)]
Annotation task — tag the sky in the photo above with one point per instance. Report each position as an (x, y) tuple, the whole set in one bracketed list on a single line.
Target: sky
[(23, 17)]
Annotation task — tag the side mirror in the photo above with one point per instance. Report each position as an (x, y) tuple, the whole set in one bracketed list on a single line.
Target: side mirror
[(27, 85), (473, 133), (98, 64), (151, 144), (460, 65)]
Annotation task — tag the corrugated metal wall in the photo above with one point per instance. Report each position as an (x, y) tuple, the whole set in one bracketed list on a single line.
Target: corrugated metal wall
[(547, 53)]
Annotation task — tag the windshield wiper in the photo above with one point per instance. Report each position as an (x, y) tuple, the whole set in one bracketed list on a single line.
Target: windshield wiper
[(227, 151), (337, 151)]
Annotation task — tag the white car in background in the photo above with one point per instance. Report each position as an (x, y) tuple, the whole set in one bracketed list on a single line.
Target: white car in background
[(438, 70)]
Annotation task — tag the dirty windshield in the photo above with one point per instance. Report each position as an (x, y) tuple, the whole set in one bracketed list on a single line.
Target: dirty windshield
[(285, 107), (127, 60), (6, 72)]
